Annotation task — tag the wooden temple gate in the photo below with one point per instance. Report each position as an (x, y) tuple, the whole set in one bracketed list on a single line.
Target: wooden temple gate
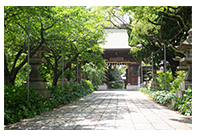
[(122, 56)]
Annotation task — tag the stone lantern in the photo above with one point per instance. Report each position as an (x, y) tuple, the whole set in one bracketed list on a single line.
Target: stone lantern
[(186, 47), (63, 80), (79, 73), (36, 81)]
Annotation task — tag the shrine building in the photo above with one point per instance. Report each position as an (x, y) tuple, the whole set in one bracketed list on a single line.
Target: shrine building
[(117, 52)]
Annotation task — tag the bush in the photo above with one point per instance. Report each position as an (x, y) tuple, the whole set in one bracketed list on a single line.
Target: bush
[(94, 74), (114, 85), (172, 84), (111, 84), (159, 96), (16, 106), (111, 74), (118, 86), (163, 96), (180, 78), (161, 80), (87, 85), (184, 104), (146, 91)]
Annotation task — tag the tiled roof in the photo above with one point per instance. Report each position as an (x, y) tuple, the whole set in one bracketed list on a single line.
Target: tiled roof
[(116, 38)]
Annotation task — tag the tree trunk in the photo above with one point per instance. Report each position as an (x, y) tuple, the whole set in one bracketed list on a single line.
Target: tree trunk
[(173, 66), (68, 76), (55, 80), (7, 79), (173, 69)]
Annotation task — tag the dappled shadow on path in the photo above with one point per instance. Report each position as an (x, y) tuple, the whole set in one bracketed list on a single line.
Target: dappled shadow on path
[(187, 120)]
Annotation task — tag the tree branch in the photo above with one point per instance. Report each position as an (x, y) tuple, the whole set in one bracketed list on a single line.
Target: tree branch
[(154, 22), (31, 54), (48, 61), (56, 39), (175, 8), (115, 24), (49, 26), (15, 60), (42, 29), (25, 32), (120, 19), (175, 17), (75, 47)]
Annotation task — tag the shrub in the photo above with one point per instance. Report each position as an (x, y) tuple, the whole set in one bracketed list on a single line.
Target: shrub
[(172, 84), (184, 104), (179, 79), (118, 86), (163, 96), (159, 96), (146, 91), (114, 85), (161, 80), (87, 85), (94, 74), (111, 74), (111, 84), (16, 106)]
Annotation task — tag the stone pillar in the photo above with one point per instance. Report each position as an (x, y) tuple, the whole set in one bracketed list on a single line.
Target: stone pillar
[(139, 77), (186, 46), (128, 73), (180, 93), (141, 74), (102, 87), (36, 81), (107, 75), (126, 81), (64, 79), (188, 77), (129, 86)]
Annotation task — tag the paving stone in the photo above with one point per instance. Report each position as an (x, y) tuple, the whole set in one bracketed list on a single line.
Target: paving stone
[(124, 127), (144, 127), (70, 127), (105, 125), (85, 127), (108, 110)]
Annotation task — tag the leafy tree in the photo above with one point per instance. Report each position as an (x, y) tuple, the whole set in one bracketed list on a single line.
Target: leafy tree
[(161, 80), (94, 74), (84, 32), (153, 27), (41, 20), (71, 30), (115, 17), (150, 28)]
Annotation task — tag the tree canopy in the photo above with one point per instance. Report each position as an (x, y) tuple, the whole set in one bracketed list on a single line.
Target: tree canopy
[(155, 26), (76, 32), (73, 30), (150, 28)]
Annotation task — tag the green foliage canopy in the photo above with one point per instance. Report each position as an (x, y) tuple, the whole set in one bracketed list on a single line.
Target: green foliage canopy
[(152, 27), (75, 31)]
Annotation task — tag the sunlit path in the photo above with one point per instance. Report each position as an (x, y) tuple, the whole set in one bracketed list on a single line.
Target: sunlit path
[(109, 110)]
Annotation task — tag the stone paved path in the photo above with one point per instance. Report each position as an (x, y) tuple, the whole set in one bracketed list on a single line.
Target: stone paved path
[(109, 110)]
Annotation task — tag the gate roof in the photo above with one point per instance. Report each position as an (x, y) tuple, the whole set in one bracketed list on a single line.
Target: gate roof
[(116, 49), (116, 39)]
